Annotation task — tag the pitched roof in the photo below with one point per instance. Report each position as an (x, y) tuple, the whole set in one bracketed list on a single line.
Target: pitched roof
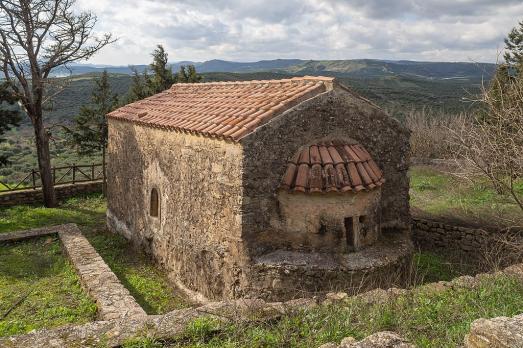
[(227, 110), (331, 167)]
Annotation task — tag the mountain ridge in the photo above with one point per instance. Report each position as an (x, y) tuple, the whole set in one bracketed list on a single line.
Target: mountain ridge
[(361, 68)]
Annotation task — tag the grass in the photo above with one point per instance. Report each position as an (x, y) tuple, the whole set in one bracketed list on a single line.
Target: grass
[(147, 284), (439, 194), (37, 269), (426, 318), (88, 212), (430, 267)]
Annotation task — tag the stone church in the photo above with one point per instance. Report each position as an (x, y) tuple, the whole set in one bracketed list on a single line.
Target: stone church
[(273, 189)]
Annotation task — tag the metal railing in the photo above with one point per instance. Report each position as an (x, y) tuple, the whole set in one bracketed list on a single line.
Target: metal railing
[(61, 175)]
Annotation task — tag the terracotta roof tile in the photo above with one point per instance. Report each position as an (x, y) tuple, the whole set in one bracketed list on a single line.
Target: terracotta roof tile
[(331, 167), (222, 109)]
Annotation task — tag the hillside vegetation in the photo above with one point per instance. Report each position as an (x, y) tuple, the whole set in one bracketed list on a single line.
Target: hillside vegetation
[(396, 86)]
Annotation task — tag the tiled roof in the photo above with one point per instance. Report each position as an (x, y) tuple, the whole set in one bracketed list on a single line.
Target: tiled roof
[(332, 167), (228, 110)]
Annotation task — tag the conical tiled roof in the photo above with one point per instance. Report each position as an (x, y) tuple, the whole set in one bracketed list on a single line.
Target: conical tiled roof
[(332, 167), (227, 110)]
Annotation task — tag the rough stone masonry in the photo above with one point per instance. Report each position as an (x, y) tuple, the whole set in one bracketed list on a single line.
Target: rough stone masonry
[(195, 179)]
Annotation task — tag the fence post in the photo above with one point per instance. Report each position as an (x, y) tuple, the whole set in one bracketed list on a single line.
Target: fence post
[(54, 176), (92, 171), (33, 177), (74, 172)]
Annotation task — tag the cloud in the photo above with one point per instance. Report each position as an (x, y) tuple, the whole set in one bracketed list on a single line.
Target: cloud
[(244, 30)]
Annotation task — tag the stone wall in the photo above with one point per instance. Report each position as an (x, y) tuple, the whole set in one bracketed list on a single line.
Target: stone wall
[(197, 235), (35, 196), (337, 114), (471, 244), (218, 205)]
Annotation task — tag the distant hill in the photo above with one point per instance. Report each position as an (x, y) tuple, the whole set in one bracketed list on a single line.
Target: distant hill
[(360, 68), (214, 65), (397, 86), (368, 68)]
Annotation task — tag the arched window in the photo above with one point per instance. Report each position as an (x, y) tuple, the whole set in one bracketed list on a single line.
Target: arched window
[(155, 203)]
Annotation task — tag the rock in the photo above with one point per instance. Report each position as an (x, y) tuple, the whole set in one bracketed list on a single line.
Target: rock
[(347, 342), (515, 270), (464, 282), (381, 295), (332, 297), (501, 332), (384, 339), (329, 345)]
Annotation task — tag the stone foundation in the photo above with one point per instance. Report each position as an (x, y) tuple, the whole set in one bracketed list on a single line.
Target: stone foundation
[(284, 274), (31, 196)]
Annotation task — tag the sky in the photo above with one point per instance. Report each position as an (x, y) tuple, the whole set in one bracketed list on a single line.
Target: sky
[(250, 30)]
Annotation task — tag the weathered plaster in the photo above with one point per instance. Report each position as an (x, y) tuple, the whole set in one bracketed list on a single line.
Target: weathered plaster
[(317, 221), (197, 236)]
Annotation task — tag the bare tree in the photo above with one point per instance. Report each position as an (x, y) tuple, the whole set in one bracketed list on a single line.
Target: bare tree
[(490, 143), (37, 36), (429, 133)]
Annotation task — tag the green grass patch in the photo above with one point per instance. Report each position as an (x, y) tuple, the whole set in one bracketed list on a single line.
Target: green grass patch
[(88, 212), (426, 318), (441, 194), (136, 271), (37, 269), (430, 267), (425, 179)]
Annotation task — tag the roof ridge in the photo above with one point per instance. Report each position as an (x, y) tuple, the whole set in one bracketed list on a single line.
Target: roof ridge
[(227, 110), (248, 82)]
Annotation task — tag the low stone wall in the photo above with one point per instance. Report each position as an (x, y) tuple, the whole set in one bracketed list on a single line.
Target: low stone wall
[(113, 300), (113, 333), (474, 245), (30, 196)]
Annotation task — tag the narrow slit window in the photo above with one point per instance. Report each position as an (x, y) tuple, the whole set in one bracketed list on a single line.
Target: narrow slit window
[(363, 225), (155, 203), (349, 231)]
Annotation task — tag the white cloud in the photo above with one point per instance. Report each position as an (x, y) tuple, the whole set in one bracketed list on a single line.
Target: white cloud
[(244, 30)]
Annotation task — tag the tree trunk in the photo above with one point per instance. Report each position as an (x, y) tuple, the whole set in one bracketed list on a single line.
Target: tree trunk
[(44, 162), (104, 185)]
